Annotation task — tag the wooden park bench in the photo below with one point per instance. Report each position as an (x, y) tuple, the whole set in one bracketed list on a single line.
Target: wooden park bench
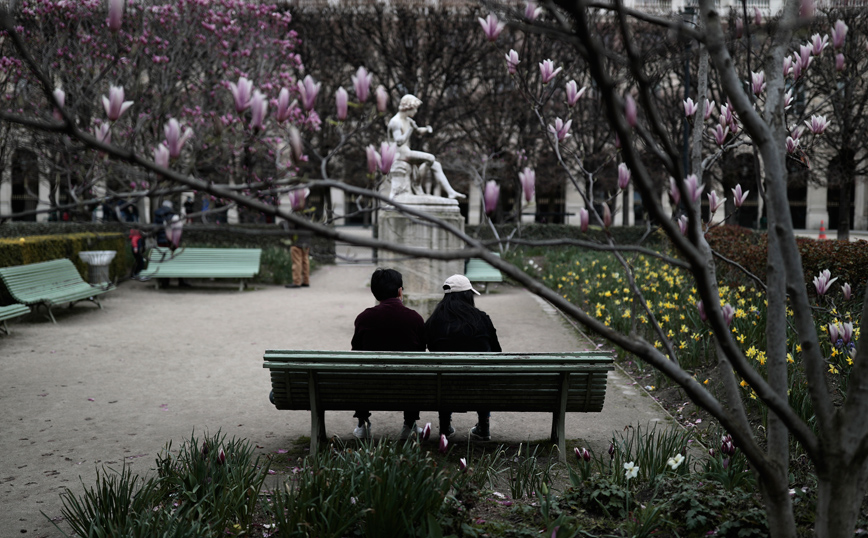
[(241, 263), (12, 311), (394, 381), (49, 284), (480, 271)]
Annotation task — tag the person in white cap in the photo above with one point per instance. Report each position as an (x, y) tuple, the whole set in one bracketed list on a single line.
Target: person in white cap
[(457, 325)]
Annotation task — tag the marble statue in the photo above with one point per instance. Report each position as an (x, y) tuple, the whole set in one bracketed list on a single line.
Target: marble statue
[(411, 170)]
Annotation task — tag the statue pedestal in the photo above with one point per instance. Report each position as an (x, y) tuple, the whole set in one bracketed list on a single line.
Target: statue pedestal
[(423, 278)]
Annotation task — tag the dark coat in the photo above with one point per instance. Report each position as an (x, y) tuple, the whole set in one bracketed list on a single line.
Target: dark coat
[(389, 326)]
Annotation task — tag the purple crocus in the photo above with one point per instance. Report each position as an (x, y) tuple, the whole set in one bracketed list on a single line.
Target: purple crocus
[(693, 187), (284, 107), (242, 93), (297, 198), (382, 98), (174, 139), (444, 444), (221, 457), (512, 61), (839, 34), (573, 93), (847, 291), (115, 14), (738, 197), (630, 111), (362, 84), (462, 464), (582, 454), (308, 89), (490, 195), (527, 178), (560, 129), (341, 99), (818, 124), (584, 219), (161, 156), (728, 313), (823, 282), (491, 26), (373, 159), (623, 176), (258, 109), (547, 71), (388, 150), (727, 447), (714, 201), (114, 104), (426, 431), (690, 108)]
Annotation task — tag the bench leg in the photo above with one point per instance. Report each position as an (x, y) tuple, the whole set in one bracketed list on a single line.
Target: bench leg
[(6, 328), (317, 415), (559, 419)]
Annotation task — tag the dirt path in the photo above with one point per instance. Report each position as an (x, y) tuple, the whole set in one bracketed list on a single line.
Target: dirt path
[(113, 386)]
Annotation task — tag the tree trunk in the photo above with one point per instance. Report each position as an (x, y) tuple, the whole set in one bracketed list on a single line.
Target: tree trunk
[(844, 203), (839, 496)]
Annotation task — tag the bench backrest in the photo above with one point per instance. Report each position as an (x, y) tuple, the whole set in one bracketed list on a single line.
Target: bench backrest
[(36, 281), (386, 381), (209, 256)]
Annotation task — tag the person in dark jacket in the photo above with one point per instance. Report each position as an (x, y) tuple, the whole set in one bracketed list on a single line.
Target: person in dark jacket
[(457, 325), (389, 326)]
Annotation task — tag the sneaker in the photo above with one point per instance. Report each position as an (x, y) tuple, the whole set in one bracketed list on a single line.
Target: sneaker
[(363, 431), (292, 286), (305, 285), (448, 433), (409, 430), (477, 433)]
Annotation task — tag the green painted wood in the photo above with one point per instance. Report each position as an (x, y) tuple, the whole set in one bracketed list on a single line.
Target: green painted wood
[(13, 311), (479, 270), (240, 263)]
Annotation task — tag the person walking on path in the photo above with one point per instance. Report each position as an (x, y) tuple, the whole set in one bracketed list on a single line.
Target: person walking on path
[(457, 325), (300, 249), (389, 326)]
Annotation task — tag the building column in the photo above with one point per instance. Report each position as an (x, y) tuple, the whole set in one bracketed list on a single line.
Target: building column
[(6, 187), (860, 217), (43, 203), (474, 206), (817, 212)]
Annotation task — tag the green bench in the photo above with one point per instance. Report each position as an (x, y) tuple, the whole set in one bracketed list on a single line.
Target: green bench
[(241, 263), (12, 311), (394, 381), (479, 270), (49, 284)]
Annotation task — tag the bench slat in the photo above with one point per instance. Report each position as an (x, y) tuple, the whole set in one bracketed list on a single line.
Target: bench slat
[(242, 263)]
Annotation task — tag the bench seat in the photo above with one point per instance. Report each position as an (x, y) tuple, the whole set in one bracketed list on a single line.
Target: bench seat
[(240, 263), (12, 311), (395, 381), (49, 284), (479, 270)]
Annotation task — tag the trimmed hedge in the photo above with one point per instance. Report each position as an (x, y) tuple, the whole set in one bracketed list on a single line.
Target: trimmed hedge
[(624, 235), (41, 248)]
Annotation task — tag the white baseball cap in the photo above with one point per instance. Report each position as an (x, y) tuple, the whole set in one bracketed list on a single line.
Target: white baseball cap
[(458, 283)]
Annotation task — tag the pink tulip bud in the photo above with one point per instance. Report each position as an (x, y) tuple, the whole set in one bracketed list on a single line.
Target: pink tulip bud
[(491, 26), (624, 175), (848, 293), (585, 454), (512, 61), (103, 133), (387, 156), (115, 14), (362, 84), (560, 129), (382, 98), (839, 34), (490, 195), (607, 216), (612, 450), (630, 111), (59, 100), (711, 452), (574, 94), (839, 62), (548, 72), (241, 94), (426, 431), (584, 219), (818, 124), (846, 332), (204, 448), (527, 178), (738, 197), (308, 89), (702, 314), (674, 193), (284, 107), (690, 108), (174, 139), (221, 457), (714, 201), (462, 464), (341, 99), (161, 156), (728, 313), (444, 444), (682, 224), (373, 159), (258, 108), (114, 104), (833, 332)]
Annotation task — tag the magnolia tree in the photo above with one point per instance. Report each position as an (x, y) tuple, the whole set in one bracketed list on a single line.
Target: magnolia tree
[(752, 111)]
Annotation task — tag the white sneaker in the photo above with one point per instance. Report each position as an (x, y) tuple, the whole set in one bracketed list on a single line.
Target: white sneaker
[(363, 431), (407, 431)]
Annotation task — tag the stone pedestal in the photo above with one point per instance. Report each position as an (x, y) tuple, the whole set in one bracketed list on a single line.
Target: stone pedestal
[(423, 278)]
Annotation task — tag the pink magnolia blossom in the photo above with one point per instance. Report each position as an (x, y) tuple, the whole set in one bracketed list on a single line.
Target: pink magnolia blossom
[(527, 178), (818, 124), (839, 34), (115, 14), (490, 195), (833, 333), (382, 98), (690, 107), (728, 313), (738, 197), (823, 282), (373, 159), (341, 99), (807, 8), (674, 193), (241, 93), (284, 107), (174, 139), (847, 291), (512, 61), (839, 62), (720, 133), (788, 99), (103, 133), (682, 224), (491, 26), (725, 114), (114, 104), (758, 83), (739, 28), (362, 84), (788, 66), (308, 89), (709, 109), (531, 11), (297, 198), (714, 201), (623, 176), (258, 109), (805, 55), (174, 230), (547, 71), (796, 133), (161, 156), (792, 144), (60, 100), (295, 144), (630, 111), (560, 129), (388, 150), (607, 216), (573, 93), (757, 16), (584, 219), (819, 44)]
